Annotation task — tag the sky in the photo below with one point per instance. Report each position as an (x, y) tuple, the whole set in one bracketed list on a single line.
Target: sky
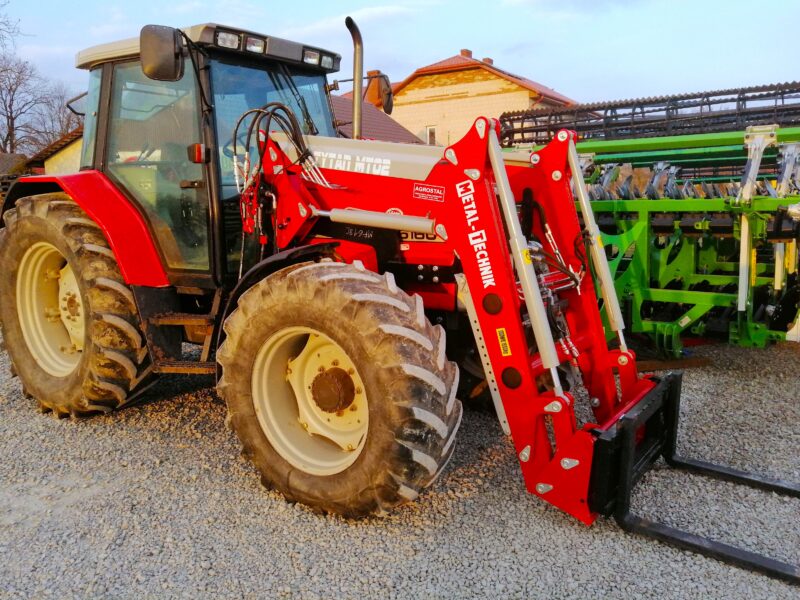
[(589, 50)]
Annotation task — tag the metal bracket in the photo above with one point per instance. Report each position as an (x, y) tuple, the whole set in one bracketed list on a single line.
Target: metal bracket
[(598, 253), (756, 139), (789, 176), (465, 298)]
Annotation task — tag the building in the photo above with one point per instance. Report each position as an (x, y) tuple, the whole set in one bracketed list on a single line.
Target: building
[(61, 157), (439, 103)]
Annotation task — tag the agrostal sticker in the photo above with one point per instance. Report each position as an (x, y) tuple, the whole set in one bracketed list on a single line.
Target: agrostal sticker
[(424, 191)]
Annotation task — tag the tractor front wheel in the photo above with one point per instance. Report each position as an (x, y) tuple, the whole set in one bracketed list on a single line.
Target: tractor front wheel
[(339, 388)]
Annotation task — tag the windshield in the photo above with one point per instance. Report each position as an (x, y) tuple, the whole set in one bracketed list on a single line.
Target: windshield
[(240, 87)]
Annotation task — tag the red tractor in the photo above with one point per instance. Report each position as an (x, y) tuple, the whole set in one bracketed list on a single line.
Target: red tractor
[(336, 287)]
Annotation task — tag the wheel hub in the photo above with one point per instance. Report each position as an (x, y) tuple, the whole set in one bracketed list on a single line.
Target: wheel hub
[(333, 390), (329, 392), (71, 307), (310, 400), (50, 309)]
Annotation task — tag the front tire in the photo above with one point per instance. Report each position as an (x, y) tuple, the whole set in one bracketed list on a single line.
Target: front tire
[(68, 319), (339, 389)]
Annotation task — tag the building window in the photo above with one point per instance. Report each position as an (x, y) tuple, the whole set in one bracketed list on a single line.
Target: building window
[(430, 135)]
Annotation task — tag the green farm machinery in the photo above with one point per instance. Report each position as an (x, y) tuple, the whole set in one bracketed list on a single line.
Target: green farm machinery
[(698, 201)]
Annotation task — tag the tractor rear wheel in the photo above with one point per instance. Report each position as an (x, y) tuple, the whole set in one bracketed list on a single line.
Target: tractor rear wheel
[(68, 320), (338, 388)]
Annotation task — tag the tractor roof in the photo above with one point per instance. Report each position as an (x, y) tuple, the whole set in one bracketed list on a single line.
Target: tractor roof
[(208, 34)]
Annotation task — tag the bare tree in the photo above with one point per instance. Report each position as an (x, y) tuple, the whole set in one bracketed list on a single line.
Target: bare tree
[(9, 28), (52, 119), (22, 94)]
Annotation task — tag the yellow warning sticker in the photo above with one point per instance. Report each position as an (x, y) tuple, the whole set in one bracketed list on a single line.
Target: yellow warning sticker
[(526, 256), (502, 337)]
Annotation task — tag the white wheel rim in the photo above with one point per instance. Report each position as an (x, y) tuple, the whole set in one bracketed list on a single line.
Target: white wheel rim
[(50, 309), (297, 374)]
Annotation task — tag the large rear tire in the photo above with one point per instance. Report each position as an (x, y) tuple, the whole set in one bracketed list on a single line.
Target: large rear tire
[(339, 389), (68, 319)]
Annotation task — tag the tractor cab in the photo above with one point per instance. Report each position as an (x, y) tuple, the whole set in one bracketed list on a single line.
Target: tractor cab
[(160, 114)]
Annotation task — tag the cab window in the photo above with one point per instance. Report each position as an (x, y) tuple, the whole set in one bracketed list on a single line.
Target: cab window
[(152, 123)]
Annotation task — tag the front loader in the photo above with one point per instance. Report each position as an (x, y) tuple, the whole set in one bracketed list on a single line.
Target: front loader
[(336, 287)]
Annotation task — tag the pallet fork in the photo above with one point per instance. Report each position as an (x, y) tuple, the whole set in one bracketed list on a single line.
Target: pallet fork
[(621, 461)]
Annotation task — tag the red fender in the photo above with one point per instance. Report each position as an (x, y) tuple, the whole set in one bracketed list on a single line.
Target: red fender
[(121, 222)]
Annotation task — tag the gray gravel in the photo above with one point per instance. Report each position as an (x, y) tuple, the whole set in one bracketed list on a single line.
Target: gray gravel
[(155, 501)]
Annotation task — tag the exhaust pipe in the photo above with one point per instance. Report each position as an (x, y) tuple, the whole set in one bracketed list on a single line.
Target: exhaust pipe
[(358, 75)]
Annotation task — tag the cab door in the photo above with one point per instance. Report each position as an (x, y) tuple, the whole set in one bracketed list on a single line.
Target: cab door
[(151, 124)]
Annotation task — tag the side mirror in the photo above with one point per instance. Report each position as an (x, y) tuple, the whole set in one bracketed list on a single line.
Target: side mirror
[(77, 105), (161, 50), (387, 97)]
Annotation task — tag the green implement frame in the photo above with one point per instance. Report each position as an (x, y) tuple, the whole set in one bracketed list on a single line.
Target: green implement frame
[(709, 248)]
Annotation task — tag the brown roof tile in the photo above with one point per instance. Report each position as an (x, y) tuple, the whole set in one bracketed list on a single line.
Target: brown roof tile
[(375, 124), (463, 63), (37, 160)]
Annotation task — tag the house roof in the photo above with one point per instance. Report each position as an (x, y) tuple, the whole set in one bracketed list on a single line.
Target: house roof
[(375, 124), (37, 160), (11, 163), (464, 62)]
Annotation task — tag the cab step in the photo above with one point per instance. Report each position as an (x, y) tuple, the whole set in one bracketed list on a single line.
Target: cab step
[(188, 367), (180, 319)]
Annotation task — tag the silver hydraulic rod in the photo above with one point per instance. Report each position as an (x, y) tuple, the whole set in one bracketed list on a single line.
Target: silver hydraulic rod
[(519, 248), (371, 218), (780, 266), (744, 264), (596, 249)]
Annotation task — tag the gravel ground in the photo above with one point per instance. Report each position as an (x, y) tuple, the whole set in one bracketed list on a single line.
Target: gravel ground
[(155, 501)]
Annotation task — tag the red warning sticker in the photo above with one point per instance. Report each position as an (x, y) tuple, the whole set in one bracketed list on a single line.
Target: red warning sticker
[(424, 191)]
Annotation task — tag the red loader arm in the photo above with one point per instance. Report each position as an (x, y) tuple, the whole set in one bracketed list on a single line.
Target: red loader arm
[(510, 293)]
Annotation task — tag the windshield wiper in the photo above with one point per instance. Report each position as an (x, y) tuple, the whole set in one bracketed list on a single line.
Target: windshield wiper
[(301, 102)]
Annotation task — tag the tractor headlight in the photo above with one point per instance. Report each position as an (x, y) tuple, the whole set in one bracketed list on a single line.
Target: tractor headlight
[(227, 40), (311, 57), (326, 62), (253, 44)]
